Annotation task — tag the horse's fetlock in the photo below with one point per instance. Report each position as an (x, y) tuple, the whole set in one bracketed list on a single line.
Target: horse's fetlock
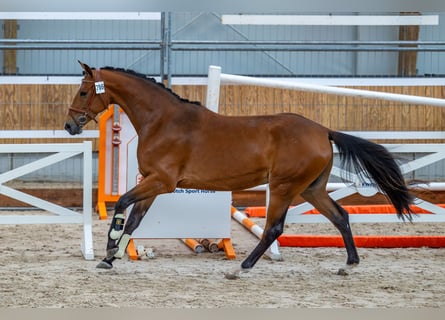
[(111, 253), (353, 262), (246, 265)]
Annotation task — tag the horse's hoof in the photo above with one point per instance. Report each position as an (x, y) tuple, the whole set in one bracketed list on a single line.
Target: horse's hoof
[(235, 275), (104, 265), (345, 271), (342, 272), (232, 276)]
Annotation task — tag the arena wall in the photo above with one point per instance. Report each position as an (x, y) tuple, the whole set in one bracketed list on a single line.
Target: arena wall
[(44, 107)]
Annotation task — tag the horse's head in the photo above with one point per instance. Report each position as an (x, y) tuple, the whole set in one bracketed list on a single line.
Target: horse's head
[(90, 100)]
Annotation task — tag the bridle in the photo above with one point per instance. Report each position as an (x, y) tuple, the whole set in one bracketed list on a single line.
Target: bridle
[(87, 113)]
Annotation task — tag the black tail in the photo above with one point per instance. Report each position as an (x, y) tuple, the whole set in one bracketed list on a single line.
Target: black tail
[(376, 163)]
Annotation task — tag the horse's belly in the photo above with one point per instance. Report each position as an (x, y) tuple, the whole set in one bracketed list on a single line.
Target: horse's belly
[(224, 180)]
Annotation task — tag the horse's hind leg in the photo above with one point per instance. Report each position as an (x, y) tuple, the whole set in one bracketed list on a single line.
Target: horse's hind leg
[(276, 214), (319, 198)]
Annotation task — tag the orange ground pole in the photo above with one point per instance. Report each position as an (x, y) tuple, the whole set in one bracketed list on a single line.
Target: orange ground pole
[(370, 241), (363, 241), (260, 212)]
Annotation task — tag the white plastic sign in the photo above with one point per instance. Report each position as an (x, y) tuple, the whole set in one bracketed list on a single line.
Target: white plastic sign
[(100, 87)]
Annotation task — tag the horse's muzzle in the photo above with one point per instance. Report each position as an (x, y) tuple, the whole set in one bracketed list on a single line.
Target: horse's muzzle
[(72, 129)]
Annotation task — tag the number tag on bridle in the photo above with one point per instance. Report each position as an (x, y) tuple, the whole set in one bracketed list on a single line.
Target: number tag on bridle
[(100, 87)]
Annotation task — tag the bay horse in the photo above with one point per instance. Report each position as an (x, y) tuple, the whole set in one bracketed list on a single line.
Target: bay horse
[(182, 144)]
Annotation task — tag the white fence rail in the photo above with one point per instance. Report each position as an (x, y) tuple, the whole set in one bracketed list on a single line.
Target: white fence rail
[(54, 214), (46, 134)]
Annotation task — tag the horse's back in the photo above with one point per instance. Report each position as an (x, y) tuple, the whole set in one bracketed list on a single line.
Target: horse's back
[(264, 134), (284, 131)]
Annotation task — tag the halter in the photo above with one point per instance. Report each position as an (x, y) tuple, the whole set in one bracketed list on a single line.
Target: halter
[(87, 112)]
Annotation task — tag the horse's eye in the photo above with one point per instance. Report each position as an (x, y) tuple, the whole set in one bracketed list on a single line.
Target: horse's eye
[(83, 93)]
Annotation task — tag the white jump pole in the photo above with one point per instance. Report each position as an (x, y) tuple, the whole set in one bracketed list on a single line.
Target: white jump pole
[(234, 79)]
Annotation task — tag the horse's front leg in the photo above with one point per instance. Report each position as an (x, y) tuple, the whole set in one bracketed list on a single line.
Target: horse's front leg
[(142, 196), (120, 232)]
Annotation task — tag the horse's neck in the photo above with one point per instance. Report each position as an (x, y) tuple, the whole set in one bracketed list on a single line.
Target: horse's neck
[(136, 101)]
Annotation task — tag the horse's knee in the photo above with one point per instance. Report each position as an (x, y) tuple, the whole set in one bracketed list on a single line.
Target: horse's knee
[(121, 204)]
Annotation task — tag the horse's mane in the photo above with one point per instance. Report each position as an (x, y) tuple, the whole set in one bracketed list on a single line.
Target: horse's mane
[(147, 78)]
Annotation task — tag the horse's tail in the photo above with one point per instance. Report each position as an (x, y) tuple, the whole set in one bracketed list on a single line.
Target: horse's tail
[(376, 163)]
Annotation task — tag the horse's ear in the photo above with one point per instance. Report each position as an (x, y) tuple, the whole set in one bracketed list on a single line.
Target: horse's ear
[(86, 68)]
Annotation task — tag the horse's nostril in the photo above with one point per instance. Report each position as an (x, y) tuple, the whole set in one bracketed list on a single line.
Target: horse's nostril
[(69, 128)]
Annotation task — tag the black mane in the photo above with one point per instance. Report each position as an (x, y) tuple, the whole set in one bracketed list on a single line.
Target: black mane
[(147, 78)]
